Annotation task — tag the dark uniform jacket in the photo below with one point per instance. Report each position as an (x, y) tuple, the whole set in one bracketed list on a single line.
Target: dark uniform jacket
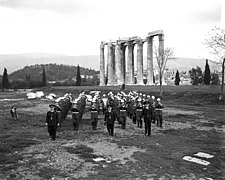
[(110, 117), (147, 111), (158, 109), (139, 110), (75, 113), (94, 112), (123, 111), (52, 118)]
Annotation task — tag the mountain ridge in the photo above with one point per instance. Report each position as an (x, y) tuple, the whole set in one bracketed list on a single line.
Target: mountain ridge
[(14, 62)]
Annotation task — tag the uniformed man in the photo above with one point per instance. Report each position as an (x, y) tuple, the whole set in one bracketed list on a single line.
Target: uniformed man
[(147, 113), (94, 115), (123, 114), (133, 110), (104, 103), (153, 109), (13, 113), (110, 117), (59, 112), (52, 122), (139, 112), (75, 116), (158, 113)]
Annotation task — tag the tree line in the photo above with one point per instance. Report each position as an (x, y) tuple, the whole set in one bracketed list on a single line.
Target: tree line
[(41, 78), (198, 77)]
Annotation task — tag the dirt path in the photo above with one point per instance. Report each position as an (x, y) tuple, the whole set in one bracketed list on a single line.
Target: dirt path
[(28, 154)]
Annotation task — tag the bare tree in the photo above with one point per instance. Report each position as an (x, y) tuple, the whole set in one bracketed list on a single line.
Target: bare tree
[(216, 44), (161, 61)]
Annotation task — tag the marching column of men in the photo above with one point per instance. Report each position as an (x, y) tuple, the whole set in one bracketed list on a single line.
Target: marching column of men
[(136, 106)]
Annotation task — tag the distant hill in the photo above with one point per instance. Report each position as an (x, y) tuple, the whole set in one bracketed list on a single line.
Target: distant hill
[(14, 62), (186, 64), (54, 72)]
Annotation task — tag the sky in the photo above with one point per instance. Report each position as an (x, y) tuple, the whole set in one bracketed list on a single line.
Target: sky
[(76, 27)]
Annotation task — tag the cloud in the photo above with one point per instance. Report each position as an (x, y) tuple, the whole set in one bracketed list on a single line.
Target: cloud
[(61, 6)]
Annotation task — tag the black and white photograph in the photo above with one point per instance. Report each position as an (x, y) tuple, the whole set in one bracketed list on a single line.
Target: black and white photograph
[(112, 90)]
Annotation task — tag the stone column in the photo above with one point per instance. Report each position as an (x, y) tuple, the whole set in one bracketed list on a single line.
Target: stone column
[(123, 59), (150, 60), (113, 63), (130, 63), (118, 65), (139, 62), (161, 46), (110, 65), (102, 65), (161, 53)]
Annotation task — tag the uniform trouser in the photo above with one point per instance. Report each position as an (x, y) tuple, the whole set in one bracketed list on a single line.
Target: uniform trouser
[(139, 121), (60, 118), (118, 118), (94, 123), (134, 118), (123, 122), (153, 117), (76, 124), (14, 117), (147, 127), (159, 120), (52, 131), (104, 110), (110, 128)]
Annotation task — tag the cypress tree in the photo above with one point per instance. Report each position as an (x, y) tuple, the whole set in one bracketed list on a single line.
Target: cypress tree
[(177, 79), (44, 81), (153, 78), (207, 76), (78, 82), (5, 80)]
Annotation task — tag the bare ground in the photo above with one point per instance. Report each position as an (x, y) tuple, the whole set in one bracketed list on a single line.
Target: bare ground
[(191, 125)]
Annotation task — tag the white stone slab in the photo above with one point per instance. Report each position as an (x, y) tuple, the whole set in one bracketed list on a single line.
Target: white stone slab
[(196, 160), (204, 155), (98, 159)]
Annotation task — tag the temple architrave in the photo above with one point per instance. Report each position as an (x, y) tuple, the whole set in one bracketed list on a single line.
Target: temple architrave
[(118, 61)]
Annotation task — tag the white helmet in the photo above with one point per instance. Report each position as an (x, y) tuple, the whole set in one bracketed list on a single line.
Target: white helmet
[(139, 99), (158, 99), (153, 97)]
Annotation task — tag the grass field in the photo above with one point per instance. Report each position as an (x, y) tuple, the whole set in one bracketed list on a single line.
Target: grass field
[(194, 121)]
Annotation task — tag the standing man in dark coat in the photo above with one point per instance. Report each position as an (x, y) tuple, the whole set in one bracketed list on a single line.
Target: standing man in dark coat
[(59, 112), (123, 114), (139, 113), (75, 116), (104, 102), (52, 121), (13, 113), (133, 111), (110, 117), (158, 112), (153, 109), (147, 113), (94, 116)]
